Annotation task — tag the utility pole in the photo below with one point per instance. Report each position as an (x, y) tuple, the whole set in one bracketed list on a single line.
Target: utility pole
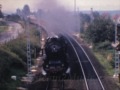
[(75, 6), (0, 7), (28, 50), (75, 16), (29, 65), (117, 49)]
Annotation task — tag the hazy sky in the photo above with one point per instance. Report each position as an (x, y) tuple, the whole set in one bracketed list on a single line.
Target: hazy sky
[(11, 5)]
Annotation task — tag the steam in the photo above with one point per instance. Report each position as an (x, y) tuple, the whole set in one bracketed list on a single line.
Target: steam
[(48, 5), (55, 18)]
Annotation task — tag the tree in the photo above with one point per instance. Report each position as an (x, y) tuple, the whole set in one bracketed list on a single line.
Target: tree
[(13, 17), (84, 19), (96, 14), (26, 10), (18, 12), (100, 30)]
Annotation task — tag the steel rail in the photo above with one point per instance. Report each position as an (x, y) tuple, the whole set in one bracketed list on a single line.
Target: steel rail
[(91, 64), (80, 64), (48, 84), (61, 85)]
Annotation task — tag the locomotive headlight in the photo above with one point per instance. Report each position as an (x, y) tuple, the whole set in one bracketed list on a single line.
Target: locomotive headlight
[(44, 72), (68, 70), (43, 39)]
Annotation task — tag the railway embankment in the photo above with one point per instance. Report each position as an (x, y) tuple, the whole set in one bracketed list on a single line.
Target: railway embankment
[(13, 59)]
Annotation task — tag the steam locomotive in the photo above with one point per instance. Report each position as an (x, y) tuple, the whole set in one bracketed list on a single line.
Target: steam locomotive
[(55, 62)]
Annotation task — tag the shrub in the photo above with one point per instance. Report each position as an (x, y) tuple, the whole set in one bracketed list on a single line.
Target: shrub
[(103, 45)]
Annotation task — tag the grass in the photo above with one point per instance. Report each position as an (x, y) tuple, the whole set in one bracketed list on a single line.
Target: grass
[(103, 59)]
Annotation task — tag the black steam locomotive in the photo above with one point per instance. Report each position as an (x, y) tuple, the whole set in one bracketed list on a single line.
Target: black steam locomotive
[(55, 62)]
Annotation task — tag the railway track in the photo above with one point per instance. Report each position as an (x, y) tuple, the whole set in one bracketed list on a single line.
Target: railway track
[(86, 77), (48, 84), (55, 85), (91, 78)]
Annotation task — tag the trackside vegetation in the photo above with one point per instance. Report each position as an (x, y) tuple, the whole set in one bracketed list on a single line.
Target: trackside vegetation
[(99, 32), (13, 59)]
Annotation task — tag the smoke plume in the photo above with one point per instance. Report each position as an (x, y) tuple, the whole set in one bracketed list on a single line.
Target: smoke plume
[(55, 18)]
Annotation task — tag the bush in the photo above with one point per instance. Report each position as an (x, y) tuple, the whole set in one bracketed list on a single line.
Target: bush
[(13, 58), (7, 60), (100, 30), (3, 23), (18, 46), (103, 45)]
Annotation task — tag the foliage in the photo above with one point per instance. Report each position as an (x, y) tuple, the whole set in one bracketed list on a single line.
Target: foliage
[(19, 48), (13, 17), (26, 10), (100, 30), (13, 59), (96, 14), (103, 45), (3, 23), (85, 18), (8, 59)]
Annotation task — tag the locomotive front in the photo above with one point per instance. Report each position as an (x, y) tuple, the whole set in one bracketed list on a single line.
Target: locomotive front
[(55, 62)]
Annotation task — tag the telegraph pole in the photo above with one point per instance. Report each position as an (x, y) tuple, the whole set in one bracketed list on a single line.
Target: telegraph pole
[(117, 49), (28, 50), (75, 16), (27, 29), (0, 7), (75, 6)]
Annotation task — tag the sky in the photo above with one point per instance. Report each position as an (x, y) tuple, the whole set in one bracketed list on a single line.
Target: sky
[(12, 5)]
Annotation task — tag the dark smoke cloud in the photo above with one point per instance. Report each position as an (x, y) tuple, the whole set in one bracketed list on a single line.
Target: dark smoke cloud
[(56, 18)]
